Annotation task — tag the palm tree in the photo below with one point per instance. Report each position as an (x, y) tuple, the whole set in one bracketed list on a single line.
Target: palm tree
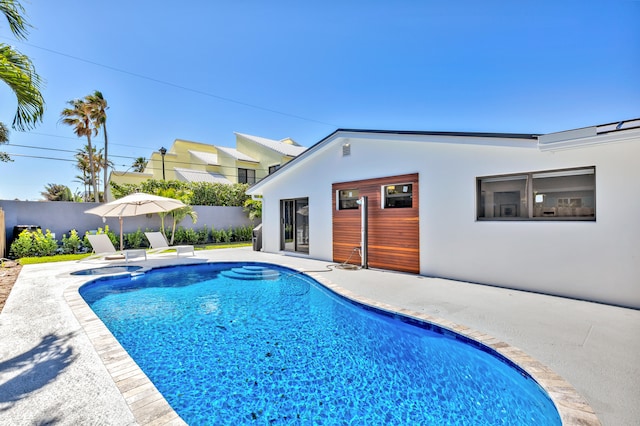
[(4, 138), (83, 165), (139, 164), (99, 109), (85, 181), (83, 161), (177, 214), (18, 72), (79, 117), (254, 207), (57, 192)]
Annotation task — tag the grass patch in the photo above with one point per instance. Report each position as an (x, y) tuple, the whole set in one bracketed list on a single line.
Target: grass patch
[(48, 259), (69, 257), (224, 245)]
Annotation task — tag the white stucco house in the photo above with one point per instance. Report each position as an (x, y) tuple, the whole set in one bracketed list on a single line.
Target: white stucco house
[(552, 213)]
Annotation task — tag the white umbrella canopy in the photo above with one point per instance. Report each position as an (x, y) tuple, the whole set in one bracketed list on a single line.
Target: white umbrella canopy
[(135, 204)]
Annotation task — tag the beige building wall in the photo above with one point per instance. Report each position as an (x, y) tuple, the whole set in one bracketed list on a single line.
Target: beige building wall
[(228, 166), (266, 156), (133, 178), (184, 154)]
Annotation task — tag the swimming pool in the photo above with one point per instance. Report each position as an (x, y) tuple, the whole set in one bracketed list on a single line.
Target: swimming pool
[(231, 343), (107, 270)]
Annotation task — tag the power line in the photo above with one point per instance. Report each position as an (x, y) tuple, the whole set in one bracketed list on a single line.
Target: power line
[(41, 157), (65, 150), (117, 172), (177, 86), (77, 138), (170, 163)]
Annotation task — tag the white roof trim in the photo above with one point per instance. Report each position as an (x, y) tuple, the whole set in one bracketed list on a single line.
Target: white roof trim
[(237, 154), (590, 137), (206, 157), (190, 175), (277, 146)]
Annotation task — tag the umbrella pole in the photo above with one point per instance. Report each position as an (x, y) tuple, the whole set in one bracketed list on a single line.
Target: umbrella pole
[(121, 245)]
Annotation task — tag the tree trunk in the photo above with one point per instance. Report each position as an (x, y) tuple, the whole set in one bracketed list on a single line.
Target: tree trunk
[(106, 163), (92, 168)]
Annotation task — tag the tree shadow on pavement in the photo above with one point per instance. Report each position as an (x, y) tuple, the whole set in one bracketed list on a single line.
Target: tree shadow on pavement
[(34, 369)]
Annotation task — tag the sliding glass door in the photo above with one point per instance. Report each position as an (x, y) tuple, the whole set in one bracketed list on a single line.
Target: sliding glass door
[(294, 219)]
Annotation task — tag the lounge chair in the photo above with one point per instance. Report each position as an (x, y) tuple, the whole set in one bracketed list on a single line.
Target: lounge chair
[(159, 244), (103, 248)]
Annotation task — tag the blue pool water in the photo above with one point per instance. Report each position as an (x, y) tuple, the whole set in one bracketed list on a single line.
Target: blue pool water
[(231, 343)]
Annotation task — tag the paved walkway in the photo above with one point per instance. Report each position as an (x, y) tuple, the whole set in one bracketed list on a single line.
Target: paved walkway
[(55, 368)]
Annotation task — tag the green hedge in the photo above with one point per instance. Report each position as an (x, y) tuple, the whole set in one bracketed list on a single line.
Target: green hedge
[(38, 244), (195, 193)]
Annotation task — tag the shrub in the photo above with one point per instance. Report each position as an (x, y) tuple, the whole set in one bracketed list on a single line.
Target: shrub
[(135, 239), (185, 236), (203, 235), (231, 235), (21, 246), (244, 233), (72, 244), (215, 236), (179, 236), (190, 237), (35, 243), (241, 233), (44, 244)]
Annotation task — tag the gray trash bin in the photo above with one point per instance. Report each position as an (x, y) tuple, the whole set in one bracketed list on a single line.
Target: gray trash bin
[(257, 238)]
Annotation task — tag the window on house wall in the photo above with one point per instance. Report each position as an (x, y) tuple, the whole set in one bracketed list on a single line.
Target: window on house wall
[(273, 168), (548, 195), (397, 196), (347, 199), (246, 176)]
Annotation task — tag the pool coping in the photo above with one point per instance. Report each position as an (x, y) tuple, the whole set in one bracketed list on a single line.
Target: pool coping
[(149, 407), (572, 407)]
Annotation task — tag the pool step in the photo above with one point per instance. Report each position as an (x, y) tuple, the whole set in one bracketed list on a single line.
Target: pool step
[(251, 272)]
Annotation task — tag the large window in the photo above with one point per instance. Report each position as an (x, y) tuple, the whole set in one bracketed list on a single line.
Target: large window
[(246, 176), (395, 196), (549, 195), (347, 199)]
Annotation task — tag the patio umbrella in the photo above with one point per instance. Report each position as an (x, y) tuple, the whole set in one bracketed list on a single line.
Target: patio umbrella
[(135, 205)]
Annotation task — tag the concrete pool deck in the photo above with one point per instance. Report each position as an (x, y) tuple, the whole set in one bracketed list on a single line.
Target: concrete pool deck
[(59, 365)]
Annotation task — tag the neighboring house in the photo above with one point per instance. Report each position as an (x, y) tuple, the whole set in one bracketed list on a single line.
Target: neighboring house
[(556, 213), (253, 158)]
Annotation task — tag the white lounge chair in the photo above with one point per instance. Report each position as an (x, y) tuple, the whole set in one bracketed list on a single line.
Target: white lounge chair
[(159, 244), (103, 248)]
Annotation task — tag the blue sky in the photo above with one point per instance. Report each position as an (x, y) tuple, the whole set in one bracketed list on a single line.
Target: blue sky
[(205, 69)]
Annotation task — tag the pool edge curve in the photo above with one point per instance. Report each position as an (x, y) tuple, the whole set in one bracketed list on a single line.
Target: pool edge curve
[(149, 406)]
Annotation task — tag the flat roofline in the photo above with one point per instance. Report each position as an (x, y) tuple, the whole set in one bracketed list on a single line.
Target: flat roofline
[(618, 126), (437, 133)]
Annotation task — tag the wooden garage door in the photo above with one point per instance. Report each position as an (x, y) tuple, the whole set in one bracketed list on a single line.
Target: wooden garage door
[(394, 232)]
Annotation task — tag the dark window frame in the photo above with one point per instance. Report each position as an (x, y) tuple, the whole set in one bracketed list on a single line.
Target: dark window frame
[(572, 203), (397, 200), (348, 202), (244, 176)]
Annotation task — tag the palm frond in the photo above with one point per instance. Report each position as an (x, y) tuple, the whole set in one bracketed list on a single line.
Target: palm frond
[(14, 12), (17, 71)]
